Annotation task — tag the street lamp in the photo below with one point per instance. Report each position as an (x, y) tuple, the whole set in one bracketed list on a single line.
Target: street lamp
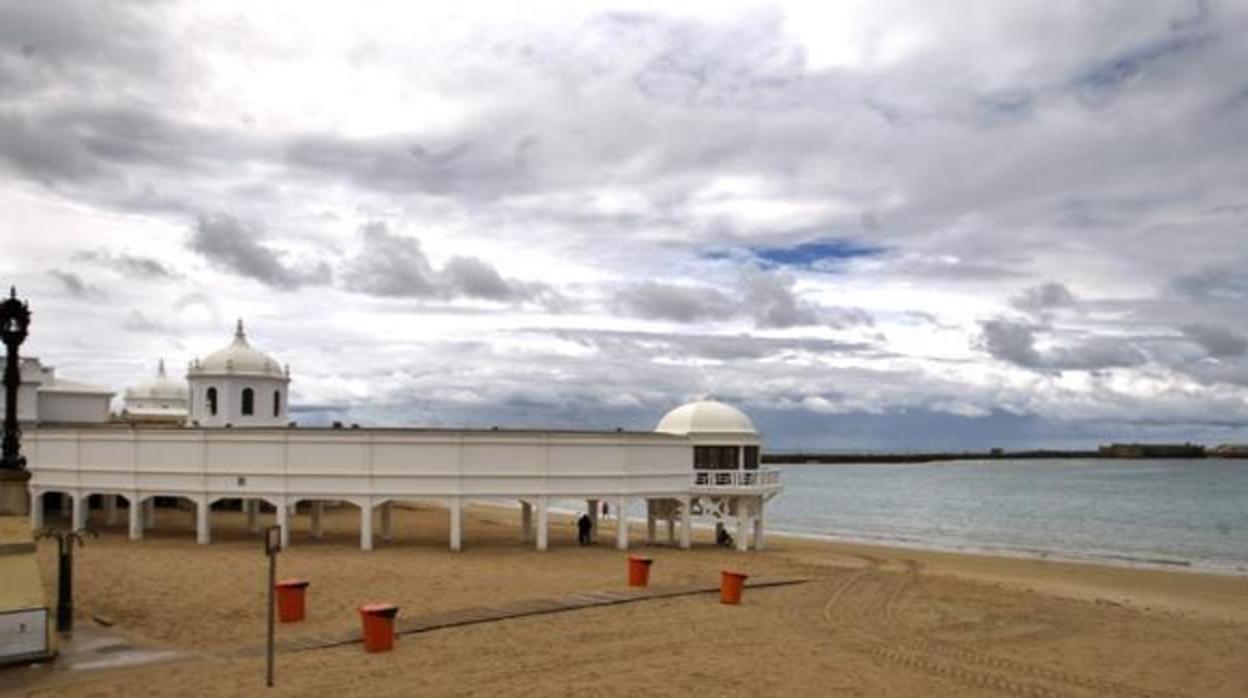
[(14, 321)]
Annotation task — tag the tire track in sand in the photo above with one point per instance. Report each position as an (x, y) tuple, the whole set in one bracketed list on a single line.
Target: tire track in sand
[(864, 604)]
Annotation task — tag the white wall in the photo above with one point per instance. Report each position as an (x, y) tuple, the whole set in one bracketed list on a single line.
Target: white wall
[(230, 401), (73, 407), (292, 464)]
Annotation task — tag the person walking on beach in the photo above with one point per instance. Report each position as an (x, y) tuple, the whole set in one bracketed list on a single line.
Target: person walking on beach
[(583, 527)]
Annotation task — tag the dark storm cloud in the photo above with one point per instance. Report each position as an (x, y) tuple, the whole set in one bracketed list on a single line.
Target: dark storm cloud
[(1015, 342), (1038, 299), (134, 266), (228, 244), (1217, 342), (393, 265), (74, 286), (768, 298), (1215, 282)]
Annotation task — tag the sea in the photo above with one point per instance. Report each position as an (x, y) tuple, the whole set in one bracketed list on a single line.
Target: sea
[(1176, 514)]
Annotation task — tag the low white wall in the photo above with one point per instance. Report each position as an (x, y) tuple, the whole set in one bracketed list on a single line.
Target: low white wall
[(73, 407), (294, 464)]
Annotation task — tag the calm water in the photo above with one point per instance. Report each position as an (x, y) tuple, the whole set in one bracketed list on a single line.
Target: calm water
[(1162, 512)]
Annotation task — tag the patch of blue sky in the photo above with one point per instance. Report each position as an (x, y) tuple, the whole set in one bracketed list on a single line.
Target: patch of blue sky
[(819, 254)]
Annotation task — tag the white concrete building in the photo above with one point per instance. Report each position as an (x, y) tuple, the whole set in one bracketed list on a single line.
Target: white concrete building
[(157, 399), (237, 386), (702, 461), (43, 397)]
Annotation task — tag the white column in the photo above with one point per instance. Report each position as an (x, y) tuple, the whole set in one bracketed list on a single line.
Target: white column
[(253, 508), (526, 521), (281, 514), (455, 505), (136, 517), (649, 522), (621, 525), (592, 505), (203, 533), (318, 530), (385, 521), (149, 513), (36, 510), (758, 526), (743, 519), (671, 528), (110, 509), (79, 516), (366, 524), (543, 521), (686, 523)]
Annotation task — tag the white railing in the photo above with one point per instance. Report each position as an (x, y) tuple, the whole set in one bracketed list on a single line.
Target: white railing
[(765, 477)]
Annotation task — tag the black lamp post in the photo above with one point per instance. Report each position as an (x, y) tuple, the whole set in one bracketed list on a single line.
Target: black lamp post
[(65, 572), (14, 321)]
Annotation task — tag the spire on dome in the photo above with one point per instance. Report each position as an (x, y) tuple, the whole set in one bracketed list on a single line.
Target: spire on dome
[(160, 369), (239, 336)]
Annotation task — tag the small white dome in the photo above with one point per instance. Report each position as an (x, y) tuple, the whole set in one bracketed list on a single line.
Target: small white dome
[(239, 358), (158, 388), (706, 417)]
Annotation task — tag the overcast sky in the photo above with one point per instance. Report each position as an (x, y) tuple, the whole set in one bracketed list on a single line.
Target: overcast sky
[(869, 224)]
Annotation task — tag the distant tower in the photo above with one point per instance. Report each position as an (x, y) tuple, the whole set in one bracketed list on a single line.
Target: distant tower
[(238, 386)]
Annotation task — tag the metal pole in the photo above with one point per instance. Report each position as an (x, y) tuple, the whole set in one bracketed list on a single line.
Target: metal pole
[(272, 545), (65, 586)]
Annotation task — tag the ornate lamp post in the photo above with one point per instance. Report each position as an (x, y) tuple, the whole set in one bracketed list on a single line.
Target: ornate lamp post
[(14, 321)]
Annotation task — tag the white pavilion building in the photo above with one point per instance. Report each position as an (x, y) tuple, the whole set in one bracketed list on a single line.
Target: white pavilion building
[(700, 462), (158, 399)]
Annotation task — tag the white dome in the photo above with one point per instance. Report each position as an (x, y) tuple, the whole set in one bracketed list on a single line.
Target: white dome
[(239, 358), (158, 388), (706, 417)]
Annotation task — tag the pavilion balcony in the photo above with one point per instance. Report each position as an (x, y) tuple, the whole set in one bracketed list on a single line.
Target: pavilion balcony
[(761, 478)]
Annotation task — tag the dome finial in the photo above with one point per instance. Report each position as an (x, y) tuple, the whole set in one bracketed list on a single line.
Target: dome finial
[(160, 369), (238, 331)]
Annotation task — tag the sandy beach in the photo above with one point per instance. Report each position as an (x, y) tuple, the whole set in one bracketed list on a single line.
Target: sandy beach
[(869, 622)]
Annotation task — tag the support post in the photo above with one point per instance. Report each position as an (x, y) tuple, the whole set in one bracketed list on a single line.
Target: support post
[(543, 521), (317, 526), (649, 522), (366, 524), (592, 506), (385, 522), (743, 519), (456, 507), (253, 509), (37, 514), (621, 525), (136, 517), (282, 513), (149, 513), (758, 526), (526, 521), (110, 509), (671, 527), (78, 519), (203, 532), (686, 523)]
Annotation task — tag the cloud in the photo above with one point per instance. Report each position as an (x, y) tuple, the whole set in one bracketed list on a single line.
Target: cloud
[(1218, 342), (74, 286), (1049, 296), (231, 246), (1015, 342), (677, 302), (129, 265), (388, 264)]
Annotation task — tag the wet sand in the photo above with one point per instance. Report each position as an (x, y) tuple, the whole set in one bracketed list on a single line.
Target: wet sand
[(872, 621)]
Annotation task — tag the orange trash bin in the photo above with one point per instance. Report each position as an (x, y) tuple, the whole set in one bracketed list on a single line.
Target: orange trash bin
[(291, 596), (378, 626), (639, 570), (730, 584)]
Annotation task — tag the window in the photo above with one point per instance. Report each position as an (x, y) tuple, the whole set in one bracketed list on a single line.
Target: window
[(715, 457), (249, 401), (212, 401), (277, 403), (751, 457)]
